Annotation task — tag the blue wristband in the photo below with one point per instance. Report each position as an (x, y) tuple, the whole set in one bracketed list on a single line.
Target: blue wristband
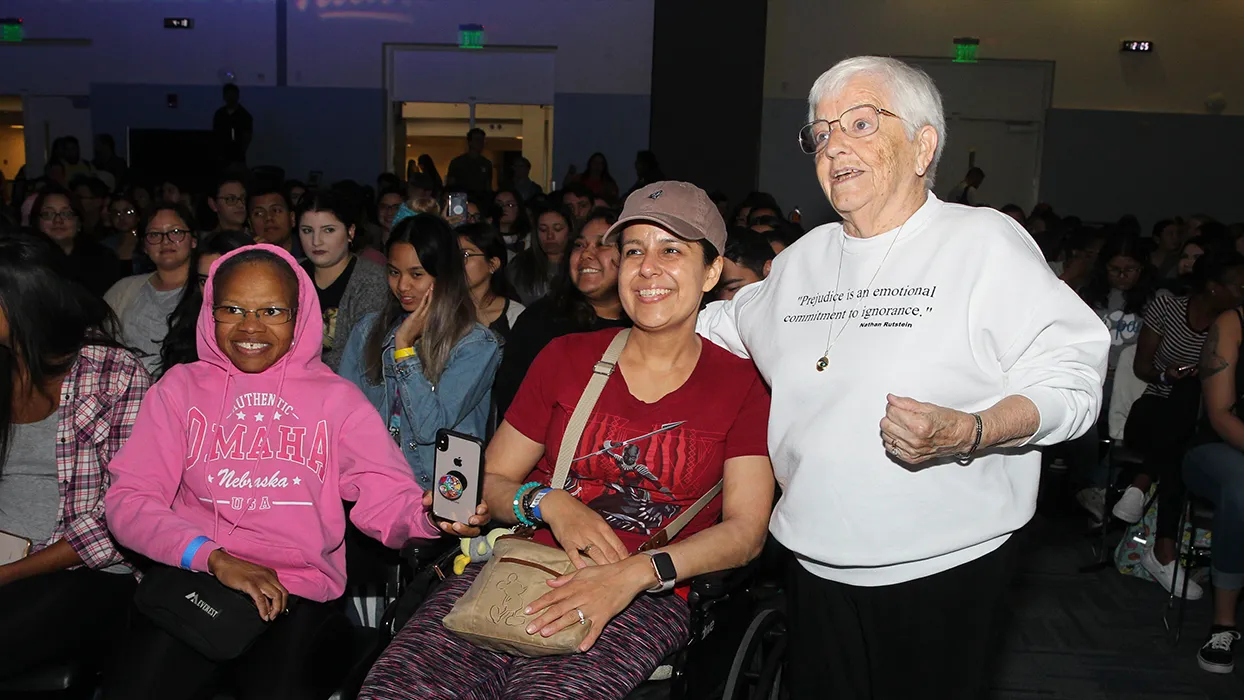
[(537, 500), (187, 557)]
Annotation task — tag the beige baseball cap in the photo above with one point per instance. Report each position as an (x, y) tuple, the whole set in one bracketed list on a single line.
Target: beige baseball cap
[(679, 207)]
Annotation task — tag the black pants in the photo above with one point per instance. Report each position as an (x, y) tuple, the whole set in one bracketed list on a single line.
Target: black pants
[(1161, 430), (930, 638), (78, 613), (301, 655)]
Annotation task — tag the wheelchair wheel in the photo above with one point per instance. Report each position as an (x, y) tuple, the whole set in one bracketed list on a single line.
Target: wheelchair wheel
[(757, 669)]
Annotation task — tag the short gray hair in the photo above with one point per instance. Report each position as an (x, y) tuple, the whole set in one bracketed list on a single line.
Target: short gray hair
[(914, 96)]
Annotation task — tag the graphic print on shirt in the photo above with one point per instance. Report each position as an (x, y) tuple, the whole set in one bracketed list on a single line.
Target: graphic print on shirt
[(628, 473), (260, 455), (873, 307), (1124, 327)]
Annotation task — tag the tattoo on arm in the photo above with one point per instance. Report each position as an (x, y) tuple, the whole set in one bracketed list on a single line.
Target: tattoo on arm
[(1211, 362)]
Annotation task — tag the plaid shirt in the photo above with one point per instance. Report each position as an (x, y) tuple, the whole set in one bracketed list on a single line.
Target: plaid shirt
[(98, 406)]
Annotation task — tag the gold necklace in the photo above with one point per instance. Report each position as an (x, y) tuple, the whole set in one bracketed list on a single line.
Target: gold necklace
[(832, 339)]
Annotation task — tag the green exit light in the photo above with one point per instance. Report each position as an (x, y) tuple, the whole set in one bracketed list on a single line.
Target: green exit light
[(11, 30), (965, 50), (470, 36)]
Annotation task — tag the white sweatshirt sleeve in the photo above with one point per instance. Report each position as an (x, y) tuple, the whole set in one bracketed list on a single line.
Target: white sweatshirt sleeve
[(719, 321)]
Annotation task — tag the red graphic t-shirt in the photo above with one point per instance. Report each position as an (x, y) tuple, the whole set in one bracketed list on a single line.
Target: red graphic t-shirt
[(639, 464)]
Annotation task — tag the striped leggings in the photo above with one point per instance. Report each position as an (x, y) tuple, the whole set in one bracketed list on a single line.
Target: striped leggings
[(426, 660)]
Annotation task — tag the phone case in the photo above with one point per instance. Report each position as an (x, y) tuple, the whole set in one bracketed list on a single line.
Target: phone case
[(12, 547), (456, 479)]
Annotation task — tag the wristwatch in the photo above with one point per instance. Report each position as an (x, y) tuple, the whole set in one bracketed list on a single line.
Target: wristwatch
[(667, 575)]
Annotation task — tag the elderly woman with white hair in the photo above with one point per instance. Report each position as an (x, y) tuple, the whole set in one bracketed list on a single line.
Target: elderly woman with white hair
[(919, 353)]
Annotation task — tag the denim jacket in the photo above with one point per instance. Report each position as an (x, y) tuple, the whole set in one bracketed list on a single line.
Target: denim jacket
[(461, 401)]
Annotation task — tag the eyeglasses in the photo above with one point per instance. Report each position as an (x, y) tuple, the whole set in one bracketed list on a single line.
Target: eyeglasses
[(231, 200), (261, 213), (390, 207), (473, 218), (1121, 271), (269, 315), (467, 255), (176, 235), (859, 121), (63, 215), (123, 212)]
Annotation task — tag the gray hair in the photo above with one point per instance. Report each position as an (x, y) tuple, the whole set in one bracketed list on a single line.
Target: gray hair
[(912, 92)]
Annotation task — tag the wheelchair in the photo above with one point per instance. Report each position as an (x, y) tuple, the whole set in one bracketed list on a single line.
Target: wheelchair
[(737, 642)]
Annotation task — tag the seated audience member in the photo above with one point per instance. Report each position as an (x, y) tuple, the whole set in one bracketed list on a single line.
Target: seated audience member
[(423, 361), (294, 191), (763, 213), (1082, 248), (747, 260), (709, 410), (179, 345), (526, 188), (533, 269), (229, 204), (577, 199), (595, 178), (272, 221), (1163, 420), (754, 200), (143, 303), (484, 253), (1121, 285), (280, 541), (141, 192), (1215, 471), (171, 190), (584, 298), (780, 233), (92, 198), (79, 258), (1167, 238), (1015, 212), (125, 237), (511, 220), (348, 286), (68, 403), (387, 204)]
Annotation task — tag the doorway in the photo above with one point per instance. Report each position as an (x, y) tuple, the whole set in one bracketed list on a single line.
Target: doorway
[(438, 129), (12, 143)]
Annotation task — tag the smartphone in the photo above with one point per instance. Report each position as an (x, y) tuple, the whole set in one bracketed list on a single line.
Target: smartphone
[(13, 547), (457, 476), (1185, 368), (457, 204)]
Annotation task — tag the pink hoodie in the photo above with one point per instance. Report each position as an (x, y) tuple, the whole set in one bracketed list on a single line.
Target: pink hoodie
[(259, 463)]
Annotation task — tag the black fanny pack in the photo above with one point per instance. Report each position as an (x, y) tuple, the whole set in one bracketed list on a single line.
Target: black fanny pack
[(213, 619)]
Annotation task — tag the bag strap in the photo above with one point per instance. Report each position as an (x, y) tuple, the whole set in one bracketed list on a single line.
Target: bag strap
[(587, 401), (670, 531)]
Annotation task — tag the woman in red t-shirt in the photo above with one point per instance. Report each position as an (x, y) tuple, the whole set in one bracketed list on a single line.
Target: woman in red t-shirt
[(678, 415)]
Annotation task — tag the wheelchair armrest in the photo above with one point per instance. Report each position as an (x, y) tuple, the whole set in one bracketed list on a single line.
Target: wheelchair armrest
[(719, 584), (418, 554)]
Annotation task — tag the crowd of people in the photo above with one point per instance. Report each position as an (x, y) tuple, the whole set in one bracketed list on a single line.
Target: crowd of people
[(228, 382)]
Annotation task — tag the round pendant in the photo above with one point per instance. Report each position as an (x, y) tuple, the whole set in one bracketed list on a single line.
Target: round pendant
[(822, 363)]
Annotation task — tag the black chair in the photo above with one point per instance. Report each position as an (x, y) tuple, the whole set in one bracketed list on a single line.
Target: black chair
[(1200, 514)]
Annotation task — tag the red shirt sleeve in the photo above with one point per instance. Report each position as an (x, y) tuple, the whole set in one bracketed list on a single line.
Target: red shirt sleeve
[(749, 433), (532, 407)]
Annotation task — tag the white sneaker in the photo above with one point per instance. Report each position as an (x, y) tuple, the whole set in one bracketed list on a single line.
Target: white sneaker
[(1171, 576), (1093, 499), (1131, 507)]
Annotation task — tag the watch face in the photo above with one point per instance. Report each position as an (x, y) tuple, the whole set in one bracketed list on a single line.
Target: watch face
[(664, 564)]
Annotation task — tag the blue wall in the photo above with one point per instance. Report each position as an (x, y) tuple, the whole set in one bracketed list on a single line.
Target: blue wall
[(616, 125), (339, 131)]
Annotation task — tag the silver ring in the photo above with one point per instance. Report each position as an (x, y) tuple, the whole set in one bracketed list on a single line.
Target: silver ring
[(582, 620)]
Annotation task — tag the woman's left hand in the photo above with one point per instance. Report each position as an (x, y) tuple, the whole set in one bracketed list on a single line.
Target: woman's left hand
[(471, 528), (915, 432), (600, 592)]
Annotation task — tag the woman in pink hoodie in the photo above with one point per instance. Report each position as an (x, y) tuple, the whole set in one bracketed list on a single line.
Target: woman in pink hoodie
[(238, 466)]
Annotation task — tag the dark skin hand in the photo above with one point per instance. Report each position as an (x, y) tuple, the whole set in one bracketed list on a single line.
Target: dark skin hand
[(258, 582)]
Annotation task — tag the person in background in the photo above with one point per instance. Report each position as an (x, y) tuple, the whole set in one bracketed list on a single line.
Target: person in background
[(54, 173), (69, 400), (1015, 212), (526, 188), (80, 259), (965, 191), (754, 200), (143, 303), (106, 159), (915, 418), (229, 204), (1214, 470), (595, 178), (347, 286), (233, 127), (780, 233), (171, 190), (281, 547), (1163, 420), (431, 176), (1118, 291), (471, 171), (141, 193), (578, 200), (1083, 247), (747, 260), (92, 195), (179, 341), (764, 214), (272, 221), (1167, 239), (510, 219), (71, 158), (127, 226), (721, 200), (423, 361), (294, 191), (484, 253), (533, 269), (647, 171), (583, 298), (387, 204)]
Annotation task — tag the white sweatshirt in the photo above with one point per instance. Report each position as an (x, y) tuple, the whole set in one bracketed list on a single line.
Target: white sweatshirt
[(963, 313)]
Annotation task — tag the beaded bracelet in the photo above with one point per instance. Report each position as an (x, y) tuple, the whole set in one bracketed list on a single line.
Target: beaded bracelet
[(518, 500)]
